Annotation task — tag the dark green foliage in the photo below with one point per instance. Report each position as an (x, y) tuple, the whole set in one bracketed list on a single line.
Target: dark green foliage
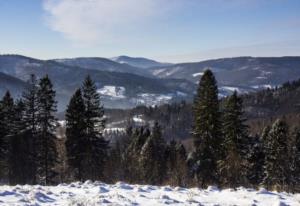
[(96, 146), (76, 134), (233, 168), (18, 163), (46, 150), (294, 177), (30, 120), (256, 160), (206, 131), (132, 167), (6, 123), (153, 157), (276, 168), (177, 168)]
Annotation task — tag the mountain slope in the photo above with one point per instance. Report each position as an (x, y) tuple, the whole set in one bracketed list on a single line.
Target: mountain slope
[(240, 71), (102, 64), (137, 89), (14, 85), (139, 62)]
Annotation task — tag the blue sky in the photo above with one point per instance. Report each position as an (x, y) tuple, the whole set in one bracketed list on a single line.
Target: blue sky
[(167, 30)]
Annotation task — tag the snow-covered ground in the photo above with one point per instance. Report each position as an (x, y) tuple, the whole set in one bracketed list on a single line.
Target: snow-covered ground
[(112, 91), (89, 194)]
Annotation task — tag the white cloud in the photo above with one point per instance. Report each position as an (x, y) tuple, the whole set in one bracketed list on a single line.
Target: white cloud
[(98, 21)]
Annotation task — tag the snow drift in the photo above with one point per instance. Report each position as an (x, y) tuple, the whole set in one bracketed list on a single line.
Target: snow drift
[(97, 193)]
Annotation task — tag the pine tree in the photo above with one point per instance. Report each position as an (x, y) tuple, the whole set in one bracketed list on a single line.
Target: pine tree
[(97, 146), (30, 119), (206, 132), (153, 156), (234, 166), (114, 169), (6, 123), (46, 154), (132, 166), (294, 176), (75, 134), (265, 133), (18, 148), (256, 159), (176, 164), (276, 169)]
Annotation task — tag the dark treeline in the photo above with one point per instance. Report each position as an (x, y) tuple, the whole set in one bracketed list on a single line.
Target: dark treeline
[(224, 153)]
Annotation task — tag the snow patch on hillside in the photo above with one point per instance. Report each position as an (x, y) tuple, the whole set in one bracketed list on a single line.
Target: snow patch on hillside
[(198, 74), (138, 119), (112, 91), (149, 99), (263, 86), (228, 90), (97, 193)]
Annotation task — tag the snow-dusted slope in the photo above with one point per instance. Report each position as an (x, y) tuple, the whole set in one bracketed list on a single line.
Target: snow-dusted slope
[(97, 193)]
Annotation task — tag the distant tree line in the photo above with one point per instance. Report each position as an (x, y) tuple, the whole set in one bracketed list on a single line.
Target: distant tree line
[(224, 154)]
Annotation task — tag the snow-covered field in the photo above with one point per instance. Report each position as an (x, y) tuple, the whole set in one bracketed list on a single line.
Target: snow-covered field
[(98, 193)]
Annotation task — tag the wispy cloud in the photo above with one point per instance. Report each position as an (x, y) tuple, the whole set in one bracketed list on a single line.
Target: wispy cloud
[(97, 21)]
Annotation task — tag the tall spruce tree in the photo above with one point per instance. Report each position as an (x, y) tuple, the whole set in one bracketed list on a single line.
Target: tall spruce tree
[(177, 169), (256, 160), (153, 156), (18, 148), (96, 145), (30, 119), (6, 125), (294, 176), (206, 131), (132, 166), (276, 168), (234, 165), (47, 156), (76, 134)]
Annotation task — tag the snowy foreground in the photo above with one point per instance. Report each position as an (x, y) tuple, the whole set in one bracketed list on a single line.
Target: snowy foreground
[(97, 193)]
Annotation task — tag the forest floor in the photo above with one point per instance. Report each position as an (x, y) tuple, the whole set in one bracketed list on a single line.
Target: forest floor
[(97, 193)]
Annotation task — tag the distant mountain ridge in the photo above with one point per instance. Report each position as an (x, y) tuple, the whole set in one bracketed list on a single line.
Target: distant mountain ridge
[(103, 64), (253, 72), (138, 89), (139, 62), (124, 86), (12, 84)]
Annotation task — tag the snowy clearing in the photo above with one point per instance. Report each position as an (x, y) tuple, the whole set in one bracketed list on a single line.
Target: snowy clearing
[(98, 193), (198, 74), (112, 91)]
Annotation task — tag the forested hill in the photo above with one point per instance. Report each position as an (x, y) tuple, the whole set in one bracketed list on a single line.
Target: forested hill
[(260, 108), (273, 102)]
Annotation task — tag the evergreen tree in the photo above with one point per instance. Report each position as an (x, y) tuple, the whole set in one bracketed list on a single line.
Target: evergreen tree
[(256, 159), (6, 123), (132, 155), (265, 134), (234, 166), (30, 119), (153, 156), (294, 176), (96, 145), (18, 148), (114, 169), (76, 134), (276, 168), (46, 154), (176, 164), (206, 131)]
